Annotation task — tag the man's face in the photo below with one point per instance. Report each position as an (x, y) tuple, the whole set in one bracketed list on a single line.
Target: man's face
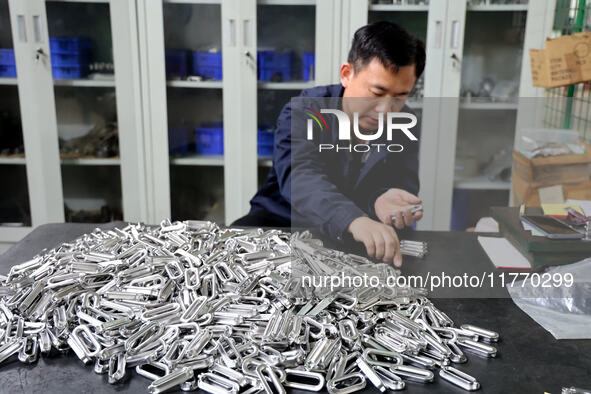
[(375, 89)]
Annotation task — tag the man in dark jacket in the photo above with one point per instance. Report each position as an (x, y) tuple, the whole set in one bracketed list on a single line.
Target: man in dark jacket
[(314, 183)]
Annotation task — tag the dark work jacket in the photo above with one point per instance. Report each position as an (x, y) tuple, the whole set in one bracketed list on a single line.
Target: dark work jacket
[(312, 189)]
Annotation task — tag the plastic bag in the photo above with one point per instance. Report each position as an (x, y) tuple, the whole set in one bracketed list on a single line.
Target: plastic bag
[(565, 311)]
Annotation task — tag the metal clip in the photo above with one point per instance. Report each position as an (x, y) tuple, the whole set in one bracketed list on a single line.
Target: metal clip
[(334, 385), (459, 378), (170, 380)]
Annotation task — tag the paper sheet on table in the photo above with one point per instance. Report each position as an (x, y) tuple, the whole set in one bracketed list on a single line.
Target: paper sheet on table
[(502, 253), (584, 204)]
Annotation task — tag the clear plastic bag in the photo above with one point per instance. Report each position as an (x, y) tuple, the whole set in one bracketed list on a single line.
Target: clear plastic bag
[(565, 311)]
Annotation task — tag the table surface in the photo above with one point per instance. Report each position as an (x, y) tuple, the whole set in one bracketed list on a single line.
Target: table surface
[(529, 359)]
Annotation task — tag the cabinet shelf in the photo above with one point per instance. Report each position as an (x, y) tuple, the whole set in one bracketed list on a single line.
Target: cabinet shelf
[(12, 160), (265, 161), (286, 2), (91, 83), (193, 1), (498, 7), (196, 84), (78, 1), (398, 7), (489, 106), (285, 85), (113, 161), (480, 183), (8, 81), (198, 160)]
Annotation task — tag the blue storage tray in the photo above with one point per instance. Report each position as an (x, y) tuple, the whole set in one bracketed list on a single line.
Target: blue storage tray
[(209, 72), (209, 140), (176, 63), (70, 72), (308, 66), (265, 142), (70, 59), (274, 66), (7, 57), (69, 44), (270, 58), (207, 59), (207, 65), (178, 140), (7, 71), (275, 74)]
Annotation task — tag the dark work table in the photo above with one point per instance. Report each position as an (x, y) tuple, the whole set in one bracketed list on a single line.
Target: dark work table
[(529, 359)]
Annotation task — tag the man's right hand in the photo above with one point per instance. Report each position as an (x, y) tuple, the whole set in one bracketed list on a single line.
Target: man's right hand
[(380, 240)]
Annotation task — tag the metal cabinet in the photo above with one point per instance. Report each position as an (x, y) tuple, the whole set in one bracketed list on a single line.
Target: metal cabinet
[(477, 69), (76, 91), (15, 204), (208, 132)]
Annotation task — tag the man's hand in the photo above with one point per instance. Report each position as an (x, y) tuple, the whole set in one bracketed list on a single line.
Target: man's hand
[(397, 201), (380, 240)]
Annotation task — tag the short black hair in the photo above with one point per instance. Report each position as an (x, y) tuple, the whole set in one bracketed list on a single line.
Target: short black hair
[(388, 42)]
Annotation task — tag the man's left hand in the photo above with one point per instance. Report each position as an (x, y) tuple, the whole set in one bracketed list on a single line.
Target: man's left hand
[(397, 201)]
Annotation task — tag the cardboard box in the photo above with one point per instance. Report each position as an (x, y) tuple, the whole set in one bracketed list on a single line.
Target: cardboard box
[(554, 170), (527, 192), (565, 60)]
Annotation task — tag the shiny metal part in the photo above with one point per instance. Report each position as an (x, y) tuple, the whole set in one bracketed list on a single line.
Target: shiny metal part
[(194, 306)]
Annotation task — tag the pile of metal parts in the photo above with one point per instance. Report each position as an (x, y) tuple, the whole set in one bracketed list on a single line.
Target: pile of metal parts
[(102, 141), (194, 305)]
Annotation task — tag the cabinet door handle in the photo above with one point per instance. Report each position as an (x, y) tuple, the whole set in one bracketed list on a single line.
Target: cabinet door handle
[(37, 29), (22, 28), (438, 34), (246, 33), (231, 26), (455, 34)]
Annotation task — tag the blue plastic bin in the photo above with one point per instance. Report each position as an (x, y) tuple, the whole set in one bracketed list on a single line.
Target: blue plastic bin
[(207, 59), (70, 72), (272, 59), (70, 59), (209, 140), (7, 57), (274, 66), (265, 142), (176, 63), (208, 65), (209, 72), (69, 44), (7, 71), (308, 66), (178, 140)]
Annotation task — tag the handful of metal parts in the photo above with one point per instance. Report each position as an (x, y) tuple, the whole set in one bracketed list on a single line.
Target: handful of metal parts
[(194, 305)]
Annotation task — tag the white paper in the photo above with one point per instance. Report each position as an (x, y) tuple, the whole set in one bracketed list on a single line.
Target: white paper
[(502, 253), (551, 195), (486, 225)]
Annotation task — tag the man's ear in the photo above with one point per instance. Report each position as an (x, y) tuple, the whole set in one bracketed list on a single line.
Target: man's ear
[(347, 74)]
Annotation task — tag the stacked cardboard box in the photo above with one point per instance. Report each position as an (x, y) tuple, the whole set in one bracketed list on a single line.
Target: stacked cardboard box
[(573, 172)]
